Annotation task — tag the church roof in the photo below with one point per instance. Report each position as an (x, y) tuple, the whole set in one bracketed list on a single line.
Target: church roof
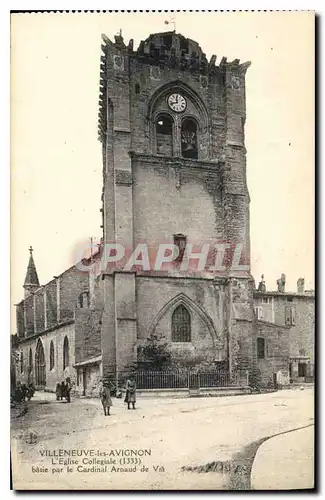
[(31, 275)]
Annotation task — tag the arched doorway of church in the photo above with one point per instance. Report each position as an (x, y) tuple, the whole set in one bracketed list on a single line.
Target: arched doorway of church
[(40, 366)]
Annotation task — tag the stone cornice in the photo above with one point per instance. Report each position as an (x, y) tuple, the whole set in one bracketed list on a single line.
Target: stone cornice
[(44, 332), (275, 293), (178, 162)]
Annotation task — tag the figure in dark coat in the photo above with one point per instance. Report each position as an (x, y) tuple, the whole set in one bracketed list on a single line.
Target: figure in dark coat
[(68, 390), (63, 391), (30, 391), (24, 391), (58, 392), (18, 394), (105, 397), (130, 396)]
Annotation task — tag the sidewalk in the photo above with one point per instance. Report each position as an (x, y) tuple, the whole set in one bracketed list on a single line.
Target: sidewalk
[(285, 462)]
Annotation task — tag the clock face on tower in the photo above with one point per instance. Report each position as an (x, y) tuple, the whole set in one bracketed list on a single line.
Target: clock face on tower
[(177, 102)]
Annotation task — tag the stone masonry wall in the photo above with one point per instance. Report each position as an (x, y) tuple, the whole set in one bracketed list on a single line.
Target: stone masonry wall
[(156, 301), (276, 352), (72, 283), (88, 334), (302, 332), (57, 374), (165, 209)]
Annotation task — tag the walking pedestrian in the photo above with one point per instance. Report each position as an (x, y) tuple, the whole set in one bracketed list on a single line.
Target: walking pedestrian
[(105, 397), (58, 391), (68, 390), (18, 394), (63, 391), (24, 391), (130, 395), (30, 391)]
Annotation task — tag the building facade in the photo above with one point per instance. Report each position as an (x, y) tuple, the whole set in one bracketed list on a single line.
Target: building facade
[(171, 125), (296, 311), (174, 168), (47, 322)]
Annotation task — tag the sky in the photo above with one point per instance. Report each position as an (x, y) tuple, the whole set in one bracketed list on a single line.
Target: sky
[(56, 166)]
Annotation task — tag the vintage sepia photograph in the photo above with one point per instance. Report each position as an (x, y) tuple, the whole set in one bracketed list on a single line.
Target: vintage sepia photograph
[(162, 251)]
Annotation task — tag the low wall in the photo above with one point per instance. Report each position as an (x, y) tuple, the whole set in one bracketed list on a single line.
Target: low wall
[(185, 393)]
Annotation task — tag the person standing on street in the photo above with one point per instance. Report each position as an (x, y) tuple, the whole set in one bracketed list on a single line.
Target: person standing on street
[(58, 391), (105, 397), (63, 391), (68, 390), (130, 396)]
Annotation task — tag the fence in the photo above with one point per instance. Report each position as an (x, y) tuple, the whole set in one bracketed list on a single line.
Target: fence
[(187, 379)]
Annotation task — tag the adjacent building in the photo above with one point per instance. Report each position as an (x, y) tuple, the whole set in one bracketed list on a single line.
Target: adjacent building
[(296, 311)]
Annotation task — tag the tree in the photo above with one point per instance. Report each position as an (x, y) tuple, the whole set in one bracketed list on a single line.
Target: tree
[(154, 353)]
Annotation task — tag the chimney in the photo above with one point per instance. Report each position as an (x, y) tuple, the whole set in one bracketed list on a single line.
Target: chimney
[(301, 285)]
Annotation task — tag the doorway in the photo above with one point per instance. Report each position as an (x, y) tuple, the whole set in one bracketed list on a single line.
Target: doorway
[(302, 370)]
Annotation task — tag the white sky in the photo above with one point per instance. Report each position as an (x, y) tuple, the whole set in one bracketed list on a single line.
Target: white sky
[(56, 158)]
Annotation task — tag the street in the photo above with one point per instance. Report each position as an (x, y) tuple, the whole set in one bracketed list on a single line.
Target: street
[(193, 443)]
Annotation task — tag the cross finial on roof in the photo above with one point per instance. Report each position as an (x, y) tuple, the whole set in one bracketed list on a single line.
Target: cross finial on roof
[(31, 279)]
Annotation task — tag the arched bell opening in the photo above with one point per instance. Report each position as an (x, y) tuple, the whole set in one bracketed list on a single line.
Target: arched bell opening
[(189, 139), (164, 135)]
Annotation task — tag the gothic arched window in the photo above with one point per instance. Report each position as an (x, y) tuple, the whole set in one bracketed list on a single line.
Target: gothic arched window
[(84, 300), (21, 362), (260, 348), (181, 325), (40, 365), (51, 355), (189, 139), (164, 135), (65, 353), (30, 363)]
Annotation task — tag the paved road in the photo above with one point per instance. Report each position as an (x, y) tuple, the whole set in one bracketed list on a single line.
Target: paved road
[(204, 433)]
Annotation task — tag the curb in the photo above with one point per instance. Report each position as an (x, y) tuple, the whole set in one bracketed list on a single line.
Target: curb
[(239, 467)]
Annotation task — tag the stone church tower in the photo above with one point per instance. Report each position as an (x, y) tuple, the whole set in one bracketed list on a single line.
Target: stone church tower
[(171, 125)]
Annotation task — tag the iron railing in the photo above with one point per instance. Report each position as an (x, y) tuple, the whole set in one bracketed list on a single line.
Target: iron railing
[(187, 379)]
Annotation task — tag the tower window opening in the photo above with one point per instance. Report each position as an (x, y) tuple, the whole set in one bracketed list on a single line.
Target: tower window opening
[(164, 135), (180, 242), (84, 300), (260, 348), (189, 139), (184, 44), (167, 40)]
